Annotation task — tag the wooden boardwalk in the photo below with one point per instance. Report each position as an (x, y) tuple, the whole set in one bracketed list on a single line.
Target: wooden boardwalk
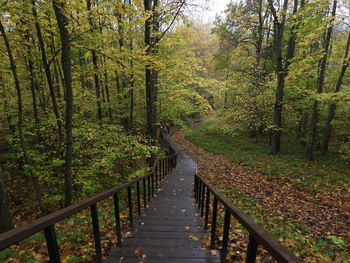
[(169, 228)]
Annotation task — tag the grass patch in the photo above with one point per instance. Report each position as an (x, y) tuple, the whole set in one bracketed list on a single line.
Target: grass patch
[(326, 173)]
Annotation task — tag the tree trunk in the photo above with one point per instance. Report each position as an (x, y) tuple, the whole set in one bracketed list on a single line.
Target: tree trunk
[(62, 22), (124, 79), (33, 92), (320, 84), (151, 74), (48, 74), (333, 105), (95, 65), (105, 73), (278, 26), (20, 120), (131, 112)]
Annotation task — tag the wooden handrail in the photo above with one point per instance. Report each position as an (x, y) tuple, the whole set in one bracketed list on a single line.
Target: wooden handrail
[(257, 236), (160, 169)]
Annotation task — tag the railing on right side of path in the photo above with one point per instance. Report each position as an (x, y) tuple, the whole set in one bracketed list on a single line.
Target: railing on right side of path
[(257, 236)]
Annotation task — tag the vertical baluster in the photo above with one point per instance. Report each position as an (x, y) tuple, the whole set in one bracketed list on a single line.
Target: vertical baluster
[(149, 188), (117, 219), (159, 172), (156, 175), (202, 200), (138, 198), (195, 185), (152, 182), (131, 219), (213, 223), (96, 229), (199, 193), (196, 192), (144, 192), (225, 236), (252, 249), (163, 166), (207, 209), (51, 243)]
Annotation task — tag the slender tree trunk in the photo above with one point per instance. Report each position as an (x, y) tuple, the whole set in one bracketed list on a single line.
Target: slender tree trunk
[(56, 73), (278, 25), (124, 79), (151, 74), (62, 22), (20, 120), (6, 222), (131, 112), (33, 92), (95, 66), (105, 73), (48, 74), (82, 75), (333, 105), (320, 84)]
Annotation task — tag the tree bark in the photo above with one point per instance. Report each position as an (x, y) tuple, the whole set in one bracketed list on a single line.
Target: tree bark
[(278, 25), (124, 78), (48, 74), (95, 66), (13, 66), (320, 84), (62, 22), (151, 74), (333, 105)]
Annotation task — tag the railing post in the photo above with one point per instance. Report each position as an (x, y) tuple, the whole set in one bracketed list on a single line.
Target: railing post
[(156, 175), (144, 192), (198, 189), (202, 200), (199, 193), (207, 209), (131, 219), (149, 188), (51, 243), (252, 249), (159, 172), (152, 180), (225, 236), (213, 223), (163, 165), (138, 198), (96, 229), (117, 219), (195, 185)]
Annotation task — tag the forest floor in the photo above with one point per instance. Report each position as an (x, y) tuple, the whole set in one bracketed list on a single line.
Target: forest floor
[(312, 221)]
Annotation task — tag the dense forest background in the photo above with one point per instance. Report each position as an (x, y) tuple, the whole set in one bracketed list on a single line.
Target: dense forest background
[(85, 87)]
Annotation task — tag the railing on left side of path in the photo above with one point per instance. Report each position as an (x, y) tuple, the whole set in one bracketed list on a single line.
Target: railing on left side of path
[(149, 182)]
